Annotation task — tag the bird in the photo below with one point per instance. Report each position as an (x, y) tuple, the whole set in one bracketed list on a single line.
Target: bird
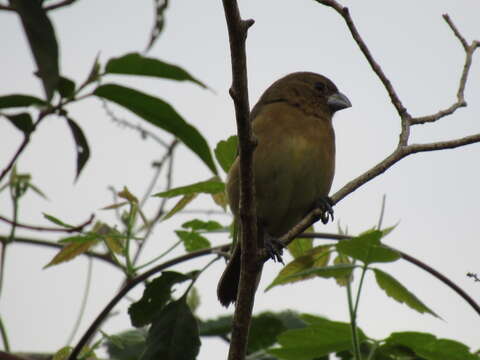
[(293, 162)]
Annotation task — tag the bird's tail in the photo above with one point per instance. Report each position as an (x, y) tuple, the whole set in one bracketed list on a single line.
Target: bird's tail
[(228, 284)]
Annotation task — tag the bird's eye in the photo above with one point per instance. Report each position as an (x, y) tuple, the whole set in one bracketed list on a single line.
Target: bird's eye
[(320, 86)]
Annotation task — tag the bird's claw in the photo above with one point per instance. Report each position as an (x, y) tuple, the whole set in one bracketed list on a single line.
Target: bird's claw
[(274, 248), (325, 205)]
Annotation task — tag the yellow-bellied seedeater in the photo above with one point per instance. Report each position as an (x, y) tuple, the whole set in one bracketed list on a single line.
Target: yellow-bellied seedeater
[(294, 161)]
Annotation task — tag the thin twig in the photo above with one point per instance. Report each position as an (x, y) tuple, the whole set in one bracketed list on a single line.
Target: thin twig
[(6, 8), (21, 240), (344, 12), (469, 51), (59, 5), (78, 228)]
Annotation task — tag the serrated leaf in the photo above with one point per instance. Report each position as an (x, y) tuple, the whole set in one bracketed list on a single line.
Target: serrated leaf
[(127, 195), (343, 280), (126, 345), (429, 347), (221, 200), (193, 299), (180, 205), (192, 240), (115, 244), (41, 37), (57, 221), (367, 248), (81, 146), (220, 326), (115, 206), (300, 246), (205, 187), (160, 114), (71, 251), (197, 224), (19, 100), (264, 330), (318, 339), (294, 271), (156, 294), (400, 293), (226, 152), (136, 64), (173, 334), (22, 122), (63, 353), (66, 87)]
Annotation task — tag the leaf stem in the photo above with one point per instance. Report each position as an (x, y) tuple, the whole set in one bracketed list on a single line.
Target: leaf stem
[(353, 323), (3, 333)]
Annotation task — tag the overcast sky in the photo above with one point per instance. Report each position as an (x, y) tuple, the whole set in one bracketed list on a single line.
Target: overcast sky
[(434, 197)]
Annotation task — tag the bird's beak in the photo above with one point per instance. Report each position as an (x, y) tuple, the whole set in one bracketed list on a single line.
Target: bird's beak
[(338, 101)]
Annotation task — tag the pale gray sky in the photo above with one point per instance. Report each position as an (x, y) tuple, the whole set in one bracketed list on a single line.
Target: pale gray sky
[(433, 196)]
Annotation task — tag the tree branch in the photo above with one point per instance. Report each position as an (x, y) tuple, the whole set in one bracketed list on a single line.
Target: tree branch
[(59, 5), (469, 50), (21, 240), (345, 14), (78, 228), (251, 264)]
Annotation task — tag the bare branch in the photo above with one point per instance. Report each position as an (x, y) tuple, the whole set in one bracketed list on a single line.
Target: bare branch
[(21, 240), (344, 12), (456, 32), (441, 145), (59, 5), (469, 50), (78, 228)]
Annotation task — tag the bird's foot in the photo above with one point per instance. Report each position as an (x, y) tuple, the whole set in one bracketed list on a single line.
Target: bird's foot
[(325, 205), (274, 248)]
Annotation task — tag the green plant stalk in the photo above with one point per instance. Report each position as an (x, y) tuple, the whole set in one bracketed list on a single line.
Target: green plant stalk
[(130, 222), (3, 333), (360, 285), (372, 350), (159, 256), (353, 324)]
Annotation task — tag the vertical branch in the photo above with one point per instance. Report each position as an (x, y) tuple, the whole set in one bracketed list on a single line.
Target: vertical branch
[(250, 264)]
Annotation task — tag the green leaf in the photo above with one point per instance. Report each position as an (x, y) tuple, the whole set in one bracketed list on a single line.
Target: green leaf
[(156, 294), (206, 187), (226, 152), (22, 122), (192, 240), (41, 37), (173, 334), (264, 330), (220, 326), (313, 259), (136, 64), (197, 224), (367, 248), (319, 338), (63, 353), (429, 347), (72, 250), (193, 299), (126, 345), (160, 114), (57, 221), (180, 205), (66, 87), (400, 293), (300, 246), (18, 100), (81, 146)]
